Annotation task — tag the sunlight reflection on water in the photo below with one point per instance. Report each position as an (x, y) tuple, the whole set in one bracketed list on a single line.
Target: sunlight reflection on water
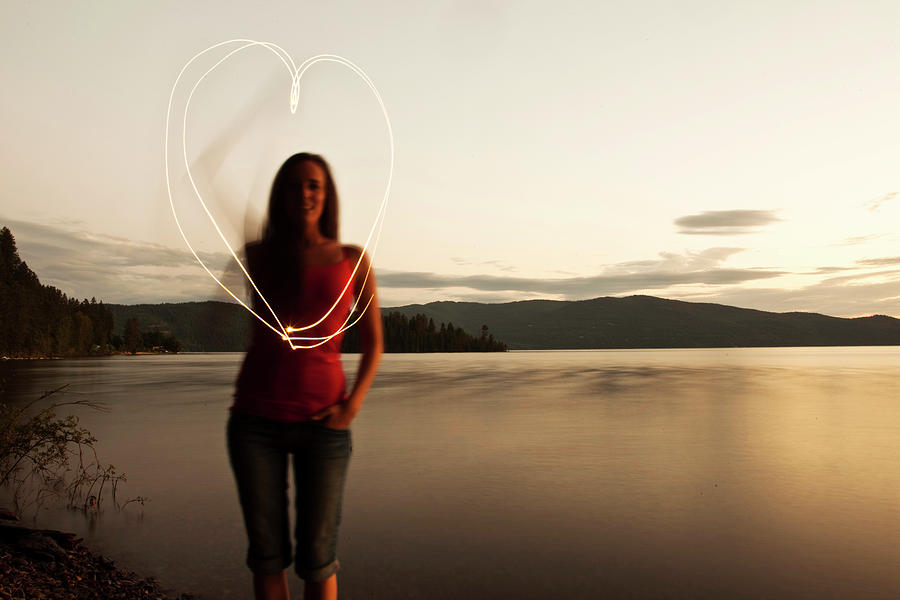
[(741, 473)]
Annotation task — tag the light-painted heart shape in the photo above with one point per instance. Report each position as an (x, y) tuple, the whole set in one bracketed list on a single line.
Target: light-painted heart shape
[(296, 74)]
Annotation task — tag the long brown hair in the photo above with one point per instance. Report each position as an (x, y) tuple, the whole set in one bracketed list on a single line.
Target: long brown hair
[(281, 269), (278, 225)]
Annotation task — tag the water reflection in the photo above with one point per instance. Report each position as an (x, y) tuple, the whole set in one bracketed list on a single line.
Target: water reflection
[(687, 473)]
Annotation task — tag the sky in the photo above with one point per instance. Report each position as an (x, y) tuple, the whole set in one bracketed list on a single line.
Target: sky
[(730, 152)]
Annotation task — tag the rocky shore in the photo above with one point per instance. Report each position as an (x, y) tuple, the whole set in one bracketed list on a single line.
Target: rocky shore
[(47, 564)]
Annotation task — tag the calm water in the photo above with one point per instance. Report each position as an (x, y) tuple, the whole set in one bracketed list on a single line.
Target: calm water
[(738, 473)]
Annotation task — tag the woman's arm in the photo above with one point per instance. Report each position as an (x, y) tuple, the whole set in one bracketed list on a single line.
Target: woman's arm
[(340, 415), (370, 331)]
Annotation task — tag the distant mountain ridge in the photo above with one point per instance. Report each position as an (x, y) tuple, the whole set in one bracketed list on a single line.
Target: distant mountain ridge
[(608, 322), (651, 322)]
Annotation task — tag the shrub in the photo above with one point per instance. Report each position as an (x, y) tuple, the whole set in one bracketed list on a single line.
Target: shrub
[(43, 456)]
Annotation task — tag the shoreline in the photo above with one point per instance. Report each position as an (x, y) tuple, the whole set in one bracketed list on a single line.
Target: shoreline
[(47, 563), (88, 355)]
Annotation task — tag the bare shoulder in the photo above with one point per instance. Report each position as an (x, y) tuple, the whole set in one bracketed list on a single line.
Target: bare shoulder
[(364, 280), (353, 252)]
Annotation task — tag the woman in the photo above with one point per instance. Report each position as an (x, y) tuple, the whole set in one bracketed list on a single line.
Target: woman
[(295, 401)]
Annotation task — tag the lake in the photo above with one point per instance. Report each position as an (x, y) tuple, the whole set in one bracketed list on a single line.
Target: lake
[(698, 473)]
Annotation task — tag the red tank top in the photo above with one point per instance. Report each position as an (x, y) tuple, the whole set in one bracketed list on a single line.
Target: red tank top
[(278, 383)]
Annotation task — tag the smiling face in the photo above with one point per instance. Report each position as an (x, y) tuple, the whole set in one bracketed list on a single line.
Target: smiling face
[(303, 203), (305, 187)]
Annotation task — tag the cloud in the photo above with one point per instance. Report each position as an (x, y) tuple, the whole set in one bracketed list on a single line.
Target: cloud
[(573, 287), (705, 259), (110, 268), (117, 269), (887, 260), (61, 241), (853, 291), (827, 270), (492, 263), (670, 269), (844, 296), (858, 239), (873, 205), (725, 222)]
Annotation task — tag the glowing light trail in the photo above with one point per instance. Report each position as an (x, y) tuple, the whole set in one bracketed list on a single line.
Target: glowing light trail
[(296, 74)]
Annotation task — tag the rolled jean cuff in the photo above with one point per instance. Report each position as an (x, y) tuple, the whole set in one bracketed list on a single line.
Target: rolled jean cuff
[(320, 573), (268, 566)]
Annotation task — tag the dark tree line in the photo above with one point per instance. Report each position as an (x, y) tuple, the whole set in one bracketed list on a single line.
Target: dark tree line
[(420, 334), (39, 320), (152, 340), (199, 326)]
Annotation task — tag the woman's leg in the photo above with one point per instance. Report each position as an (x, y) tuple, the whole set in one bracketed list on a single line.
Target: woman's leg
[(321, 590), (259, 461), (320, 468), (271, 586)]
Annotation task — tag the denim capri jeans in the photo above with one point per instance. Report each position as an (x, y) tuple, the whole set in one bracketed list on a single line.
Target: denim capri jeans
[(258, 449)]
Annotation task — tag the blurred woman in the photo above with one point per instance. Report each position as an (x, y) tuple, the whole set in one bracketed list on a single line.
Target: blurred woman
[(295, 402)]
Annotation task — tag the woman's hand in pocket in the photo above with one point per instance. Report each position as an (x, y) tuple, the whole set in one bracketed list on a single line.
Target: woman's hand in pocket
[(336, 416)]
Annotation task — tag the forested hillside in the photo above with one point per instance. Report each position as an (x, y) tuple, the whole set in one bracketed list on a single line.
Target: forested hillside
[(419, 333), (650, 322), (223, 327), (39, 320), (199, 326), (632, 322)]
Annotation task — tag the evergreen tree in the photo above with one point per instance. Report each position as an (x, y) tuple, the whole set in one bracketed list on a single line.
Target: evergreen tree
[(38, 320), (132, 336), (9, 255), (84, 333), (420, 334)]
